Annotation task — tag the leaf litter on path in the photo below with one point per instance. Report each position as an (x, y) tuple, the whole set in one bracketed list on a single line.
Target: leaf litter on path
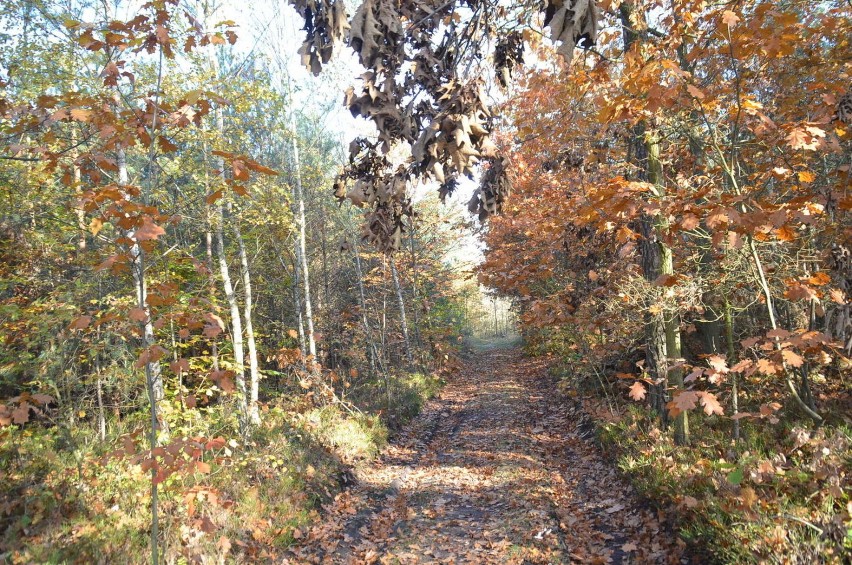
[(494, 470)]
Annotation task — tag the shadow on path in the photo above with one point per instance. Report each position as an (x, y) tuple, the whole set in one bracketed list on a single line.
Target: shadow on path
[(494, 470)]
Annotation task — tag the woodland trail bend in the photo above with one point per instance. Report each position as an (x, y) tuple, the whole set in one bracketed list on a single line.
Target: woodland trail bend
[(494, 470)]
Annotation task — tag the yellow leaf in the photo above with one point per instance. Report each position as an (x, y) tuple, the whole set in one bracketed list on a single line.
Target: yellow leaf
[(751, 106), (96, 225), (806, 176)]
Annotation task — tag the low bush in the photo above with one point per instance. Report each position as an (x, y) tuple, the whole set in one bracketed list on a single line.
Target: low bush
[(779, 495)]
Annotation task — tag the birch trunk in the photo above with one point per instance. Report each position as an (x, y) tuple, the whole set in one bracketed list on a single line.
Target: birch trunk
[(78, 210), (100, 391), (414, 284), (236, 322), (230, 295), (254, 374), (297, 303), (208, 242), (301, 256), (373, 353), (402, 314), (153, 370), (244, 418)]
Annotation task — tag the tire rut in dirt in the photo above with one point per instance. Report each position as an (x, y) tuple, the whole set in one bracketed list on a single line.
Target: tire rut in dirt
[(495, 470)]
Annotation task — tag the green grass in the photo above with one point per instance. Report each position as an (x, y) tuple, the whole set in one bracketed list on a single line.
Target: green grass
[(397, 399), (355, 437), (64, 500)]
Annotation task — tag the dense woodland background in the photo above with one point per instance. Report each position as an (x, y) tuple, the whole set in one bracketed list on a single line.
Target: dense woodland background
[(199, 340)]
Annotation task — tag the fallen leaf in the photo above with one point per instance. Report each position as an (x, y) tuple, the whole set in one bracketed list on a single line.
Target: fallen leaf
[(21, 414), (80, 323)]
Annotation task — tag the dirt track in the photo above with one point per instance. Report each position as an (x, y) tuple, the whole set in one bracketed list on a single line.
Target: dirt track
[(494, 470)]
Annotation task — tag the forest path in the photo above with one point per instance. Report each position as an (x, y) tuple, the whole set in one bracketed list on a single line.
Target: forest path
[(494, 470)]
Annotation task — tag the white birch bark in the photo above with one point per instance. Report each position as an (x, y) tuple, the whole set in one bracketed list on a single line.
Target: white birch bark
[(254, 373), (402, 313), (301, 256), (236, 322)]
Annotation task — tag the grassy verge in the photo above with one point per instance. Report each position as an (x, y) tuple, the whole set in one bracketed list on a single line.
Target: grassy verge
[(397, 399), (65, 499)]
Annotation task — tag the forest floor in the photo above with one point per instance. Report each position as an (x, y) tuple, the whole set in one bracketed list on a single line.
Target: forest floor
[(496, 469)]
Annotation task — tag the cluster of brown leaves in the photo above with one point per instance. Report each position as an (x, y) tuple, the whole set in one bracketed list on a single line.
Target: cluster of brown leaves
[(17, 410), (572, 22), (179, 455), (417, 92)]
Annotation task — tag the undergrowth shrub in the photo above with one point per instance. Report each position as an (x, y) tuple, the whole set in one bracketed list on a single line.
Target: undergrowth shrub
[(65, 498), (781, 495)]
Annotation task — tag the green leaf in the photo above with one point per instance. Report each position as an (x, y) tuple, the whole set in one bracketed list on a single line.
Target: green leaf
[(736, 477)]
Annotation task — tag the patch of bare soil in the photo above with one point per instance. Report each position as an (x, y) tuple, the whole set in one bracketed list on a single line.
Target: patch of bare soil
[(495, 470)]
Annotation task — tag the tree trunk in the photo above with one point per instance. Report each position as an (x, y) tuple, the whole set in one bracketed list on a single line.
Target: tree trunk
[(770, 310), (494, 303), (414, 283), (236, 322), (383, 336), (78, 210), (730, 355), (100, 391), (153, 370), (300, 317), (402, 314), (254, 373), (230, 296), (372, 353), (656, 259), (301, 256), (671, 317), (325, 282), (297, 306), (208, 242)]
